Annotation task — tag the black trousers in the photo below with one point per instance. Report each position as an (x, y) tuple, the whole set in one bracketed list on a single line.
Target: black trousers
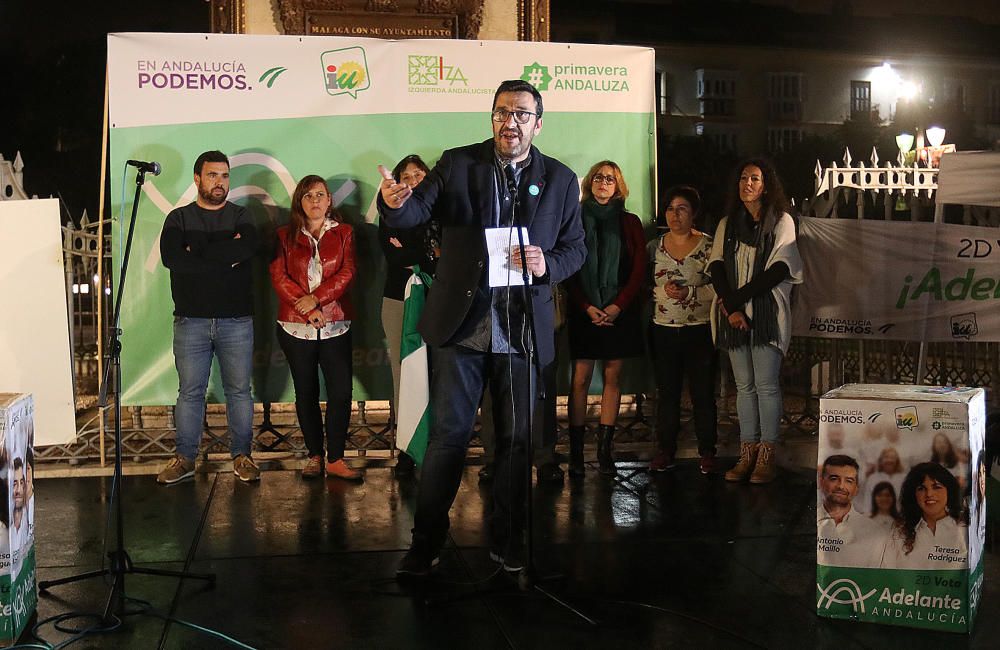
[(333, 358), (680, 352), (458, 376)]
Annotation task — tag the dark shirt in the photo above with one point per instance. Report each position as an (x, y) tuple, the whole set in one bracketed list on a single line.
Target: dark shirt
[(414, 249), (210, 270)]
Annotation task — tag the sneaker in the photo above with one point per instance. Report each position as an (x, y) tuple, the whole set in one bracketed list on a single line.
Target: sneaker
[(662, 462), (417, 563), (313, 468), (340, 469), (707, 465), (245, 469), (550, 473), (178, 469), (511, 559)]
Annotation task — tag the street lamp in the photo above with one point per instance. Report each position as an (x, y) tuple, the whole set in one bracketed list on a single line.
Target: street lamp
[(935, 136), (904, 141)]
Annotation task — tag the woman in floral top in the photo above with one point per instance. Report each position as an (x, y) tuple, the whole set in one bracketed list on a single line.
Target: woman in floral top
[(680, 332)]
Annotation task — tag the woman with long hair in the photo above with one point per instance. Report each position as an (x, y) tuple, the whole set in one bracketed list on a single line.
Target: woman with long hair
[(311, 272), (888, 469), (931, 531), (680, 334), (404, 249), (604, 307), (754, 264), (943, 452), (883, 505)]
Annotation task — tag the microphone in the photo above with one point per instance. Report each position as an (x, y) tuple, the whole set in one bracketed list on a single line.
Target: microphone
[(508, 174), (148, 167)]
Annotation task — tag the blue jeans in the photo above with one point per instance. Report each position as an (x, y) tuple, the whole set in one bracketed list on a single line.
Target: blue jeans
[(757, 371), (195, 341)]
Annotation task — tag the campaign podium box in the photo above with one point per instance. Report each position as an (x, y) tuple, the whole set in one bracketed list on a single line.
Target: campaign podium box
[(18, 591), (900, 514)]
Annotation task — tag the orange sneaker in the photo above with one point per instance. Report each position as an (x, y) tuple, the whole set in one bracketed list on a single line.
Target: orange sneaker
[(340, 469), (313, 467)]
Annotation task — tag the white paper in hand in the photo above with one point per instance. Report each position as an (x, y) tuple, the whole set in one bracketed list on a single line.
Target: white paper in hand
[(499, 241)]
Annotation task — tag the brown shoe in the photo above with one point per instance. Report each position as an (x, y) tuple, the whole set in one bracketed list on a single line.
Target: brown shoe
[(313, 467), (178, 469), (765, 469), (746, 464), (245, 469), (340, 469)]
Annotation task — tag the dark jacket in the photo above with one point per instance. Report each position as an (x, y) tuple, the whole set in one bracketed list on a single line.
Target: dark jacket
[(412, 250), (460, 193), (290, 273)]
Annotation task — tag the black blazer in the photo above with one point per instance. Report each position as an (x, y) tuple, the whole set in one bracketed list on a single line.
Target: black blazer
[(460, 193)]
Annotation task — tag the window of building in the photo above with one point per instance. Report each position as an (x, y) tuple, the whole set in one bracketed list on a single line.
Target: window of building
[(993, 104), (721, 137), (785, 93), (861, 100), (782, 138), (953, 94), (664, 102), (716, 92)]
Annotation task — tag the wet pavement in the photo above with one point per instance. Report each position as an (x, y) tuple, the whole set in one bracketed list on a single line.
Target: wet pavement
[(675, 560)]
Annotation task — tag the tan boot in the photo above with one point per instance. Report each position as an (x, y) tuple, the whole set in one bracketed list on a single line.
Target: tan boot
[(748, 459), (764, 470)]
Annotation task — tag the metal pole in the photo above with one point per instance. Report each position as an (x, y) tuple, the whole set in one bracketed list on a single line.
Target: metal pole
[(100, 263), (922, 355)]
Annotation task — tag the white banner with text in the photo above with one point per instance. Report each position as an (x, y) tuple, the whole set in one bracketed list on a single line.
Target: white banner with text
[(902, 281)]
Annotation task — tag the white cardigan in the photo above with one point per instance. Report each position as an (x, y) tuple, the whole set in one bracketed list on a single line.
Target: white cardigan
[(785, 250)]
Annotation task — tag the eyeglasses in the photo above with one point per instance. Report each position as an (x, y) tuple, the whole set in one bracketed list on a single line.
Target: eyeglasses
[(600, 178), (315, 196), (501, 115)]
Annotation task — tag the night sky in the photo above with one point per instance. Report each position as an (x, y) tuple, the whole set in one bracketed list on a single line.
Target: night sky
[(54, 54), (52, 104)]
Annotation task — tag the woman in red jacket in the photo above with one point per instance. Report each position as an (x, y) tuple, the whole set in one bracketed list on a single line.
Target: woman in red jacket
[(311, 273), (604, 316)]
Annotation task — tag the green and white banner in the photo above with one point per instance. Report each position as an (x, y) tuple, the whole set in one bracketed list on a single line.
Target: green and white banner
[(909, 282), (933, 600), (283, 107)]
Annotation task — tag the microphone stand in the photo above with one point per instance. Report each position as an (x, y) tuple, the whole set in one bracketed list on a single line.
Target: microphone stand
[(120, 562), (529, 579)]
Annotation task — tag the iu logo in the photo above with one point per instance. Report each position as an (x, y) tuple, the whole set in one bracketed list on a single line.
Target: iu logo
[(345, 71), (964, 326)]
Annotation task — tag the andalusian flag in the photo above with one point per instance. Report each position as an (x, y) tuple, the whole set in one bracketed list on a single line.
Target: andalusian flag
[(414, 414)]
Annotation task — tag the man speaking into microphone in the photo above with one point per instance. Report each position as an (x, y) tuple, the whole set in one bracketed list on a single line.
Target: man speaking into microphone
[(477, 334)]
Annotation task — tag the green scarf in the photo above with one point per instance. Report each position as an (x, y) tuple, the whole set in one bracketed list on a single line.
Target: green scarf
[(602, 226)]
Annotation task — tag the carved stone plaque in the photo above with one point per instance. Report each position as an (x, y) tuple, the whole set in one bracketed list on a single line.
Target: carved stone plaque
[(369, 24)]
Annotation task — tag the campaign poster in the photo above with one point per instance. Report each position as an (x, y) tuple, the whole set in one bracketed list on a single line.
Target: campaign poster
[(18, 594), (900, 515)]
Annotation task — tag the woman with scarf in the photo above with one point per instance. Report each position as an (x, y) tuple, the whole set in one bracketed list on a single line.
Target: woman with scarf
[(754, 263), (604, 316)]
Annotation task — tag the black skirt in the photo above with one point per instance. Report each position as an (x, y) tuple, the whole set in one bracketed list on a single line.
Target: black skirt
[(622, 340)]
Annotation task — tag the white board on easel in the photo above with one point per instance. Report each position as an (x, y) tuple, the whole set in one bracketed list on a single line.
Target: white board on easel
[(35, 354)]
